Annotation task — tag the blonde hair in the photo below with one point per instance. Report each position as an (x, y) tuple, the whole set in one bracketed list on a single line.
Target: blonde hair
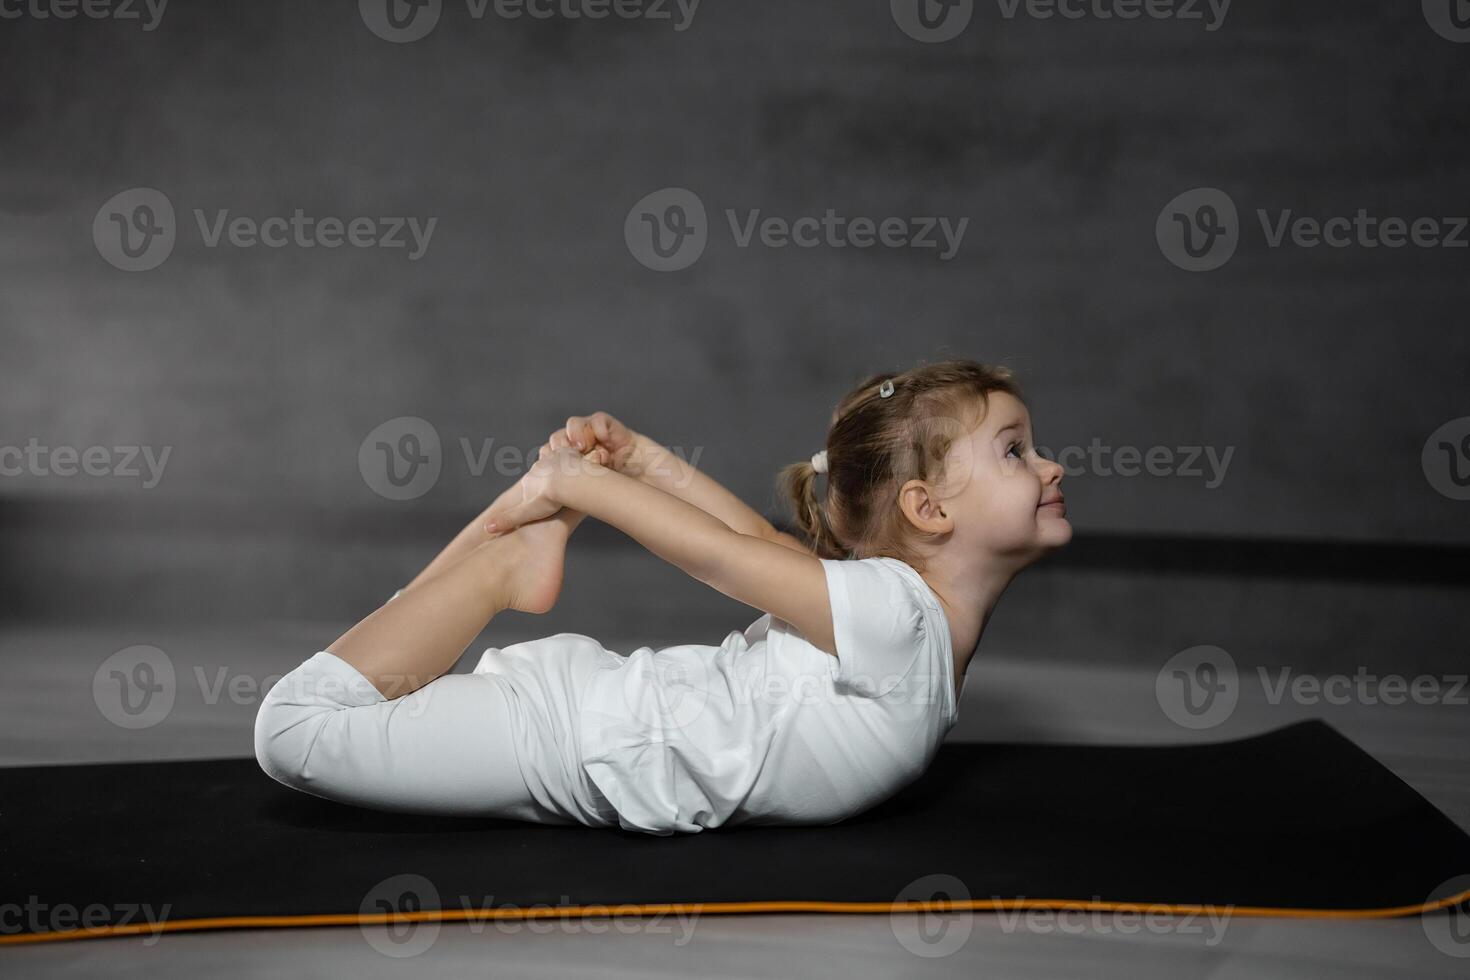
[(875, 445)]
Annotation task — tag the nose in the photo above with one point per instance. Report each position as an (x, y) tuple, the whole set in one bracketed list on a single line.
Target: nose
[(1049, 470)]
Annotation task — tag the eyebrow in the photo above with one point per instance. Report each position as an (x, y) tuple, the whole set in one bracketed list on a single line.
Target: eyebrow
[(1018, 424)]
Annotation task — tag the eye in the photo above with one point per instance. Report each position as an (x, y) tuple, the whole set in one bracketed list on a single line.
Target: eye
[(1015, 446)]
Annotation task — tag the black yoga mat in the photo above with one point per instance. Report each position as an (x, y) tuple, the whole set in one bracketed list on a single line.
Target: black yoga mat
[(1298, 821)]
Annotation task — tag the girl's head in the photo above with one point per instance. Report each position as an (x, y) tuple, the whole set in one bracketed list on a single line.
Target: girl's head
[(945, 460)]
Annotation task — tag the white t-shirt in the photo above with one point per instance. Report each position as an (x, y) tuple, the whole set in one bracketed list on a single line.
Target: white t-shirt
[(766, 727)]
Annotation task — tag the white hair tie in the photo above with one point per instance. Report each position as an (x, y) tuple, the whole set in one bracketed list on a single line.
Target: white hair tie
[(819, 461)]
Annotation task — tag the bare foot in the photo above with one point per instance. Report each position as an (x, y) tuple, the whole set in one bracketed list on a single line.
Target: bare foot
[(537, 559)]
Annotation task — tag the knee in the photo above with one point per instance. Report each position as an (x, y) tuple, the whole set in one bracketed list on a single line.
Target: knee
[(283, 734), (297, 714)]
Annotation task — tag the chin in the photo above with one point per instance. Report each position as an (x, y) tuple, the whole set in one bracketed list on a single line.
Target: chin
[(1055, 533)]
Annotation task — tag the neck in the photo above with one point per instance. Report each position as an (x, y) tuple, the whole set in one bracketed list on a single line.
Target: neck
[(969, 593)]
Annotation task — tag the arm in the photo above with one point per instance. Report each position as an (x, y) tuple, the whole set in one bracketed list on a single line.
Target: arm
[(788, 584), (638, 456), (659, 467)]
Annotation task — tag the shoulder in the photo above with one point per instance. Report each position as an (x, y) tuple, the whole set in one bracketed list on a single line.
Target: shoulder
[(880, 621), (891, 583)]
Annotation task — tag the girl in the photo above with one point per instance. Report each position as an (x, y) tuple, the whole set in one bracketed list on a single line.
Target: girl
[(828, 704)]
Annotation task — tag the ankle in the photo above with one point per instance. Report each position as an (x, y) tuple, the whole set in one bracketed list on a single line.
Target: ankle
[(495, 561)]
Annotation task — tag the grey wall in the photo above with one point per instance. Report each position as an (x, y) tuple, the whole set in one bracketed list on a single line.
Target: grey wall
[(1322, 370)]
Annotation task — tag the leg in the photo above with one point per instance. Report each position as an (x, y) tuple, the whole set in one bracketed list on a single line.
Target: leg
[(449, 748), (473, 534), (407, 642)]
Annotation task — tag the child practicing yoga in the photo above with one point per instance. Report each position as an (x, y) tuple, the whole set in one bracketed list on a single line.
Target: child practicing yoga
[(836, 698)]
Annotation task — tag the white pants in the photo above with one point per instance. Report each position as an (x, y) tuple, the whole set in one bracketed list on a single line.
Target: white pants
[(463, 745)]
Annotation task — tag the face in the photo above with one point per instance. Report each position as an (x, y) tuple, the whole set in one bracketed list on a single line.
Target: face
[(1002, 497)]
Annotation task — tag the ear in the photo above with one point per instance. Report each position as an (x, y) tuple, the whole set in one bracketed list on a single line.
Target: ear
[(923, 508)]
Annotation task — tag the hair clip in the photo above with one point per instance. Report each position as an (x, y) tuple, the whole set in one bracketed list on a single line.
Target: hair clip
[(819, 461), (885, 389)]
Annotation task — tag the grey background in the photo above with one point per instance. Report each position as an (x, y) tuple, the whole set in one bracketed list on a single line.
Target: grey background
[(1323, 370), (1326, 549)]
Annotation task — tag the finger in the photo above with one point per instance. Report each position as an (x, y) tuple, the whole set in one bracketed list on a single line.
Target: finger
[(602, 425), (579, 432), (558, 439), (508, 519)]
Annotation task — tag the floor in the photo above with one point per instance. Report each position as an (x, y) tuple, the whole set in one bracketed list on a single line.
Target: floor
[(48, 715)]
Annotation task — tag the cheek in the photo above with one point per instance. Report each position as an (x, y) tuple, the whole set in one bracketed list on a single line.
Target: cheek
[(1004, 507)]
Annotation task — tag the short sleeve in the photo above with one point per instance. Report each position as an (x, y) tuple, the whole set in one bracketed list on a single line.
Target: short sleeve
[(878, 624)]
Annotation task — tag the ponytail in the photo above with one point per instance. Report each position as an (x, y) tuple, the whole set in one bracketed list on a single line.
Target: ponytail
[(798, 482)]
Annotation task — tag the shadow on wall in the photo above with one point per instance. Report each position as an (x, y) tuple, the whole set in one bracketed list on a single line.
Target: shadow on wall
[(1105, 598)]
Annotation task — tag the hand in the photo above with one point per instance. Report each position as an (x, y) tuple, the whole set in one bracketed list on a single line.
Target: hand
[(584, 432), (539, 488)]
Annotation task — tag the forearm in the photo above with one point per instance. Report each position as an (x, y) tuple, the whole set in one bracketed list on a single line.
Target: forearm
[(674, 529), (748, 568), (663, 469)]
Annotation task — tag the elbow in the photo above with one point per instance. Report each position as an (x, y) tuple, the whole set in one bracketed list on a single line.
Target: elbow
[(791, 541)]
